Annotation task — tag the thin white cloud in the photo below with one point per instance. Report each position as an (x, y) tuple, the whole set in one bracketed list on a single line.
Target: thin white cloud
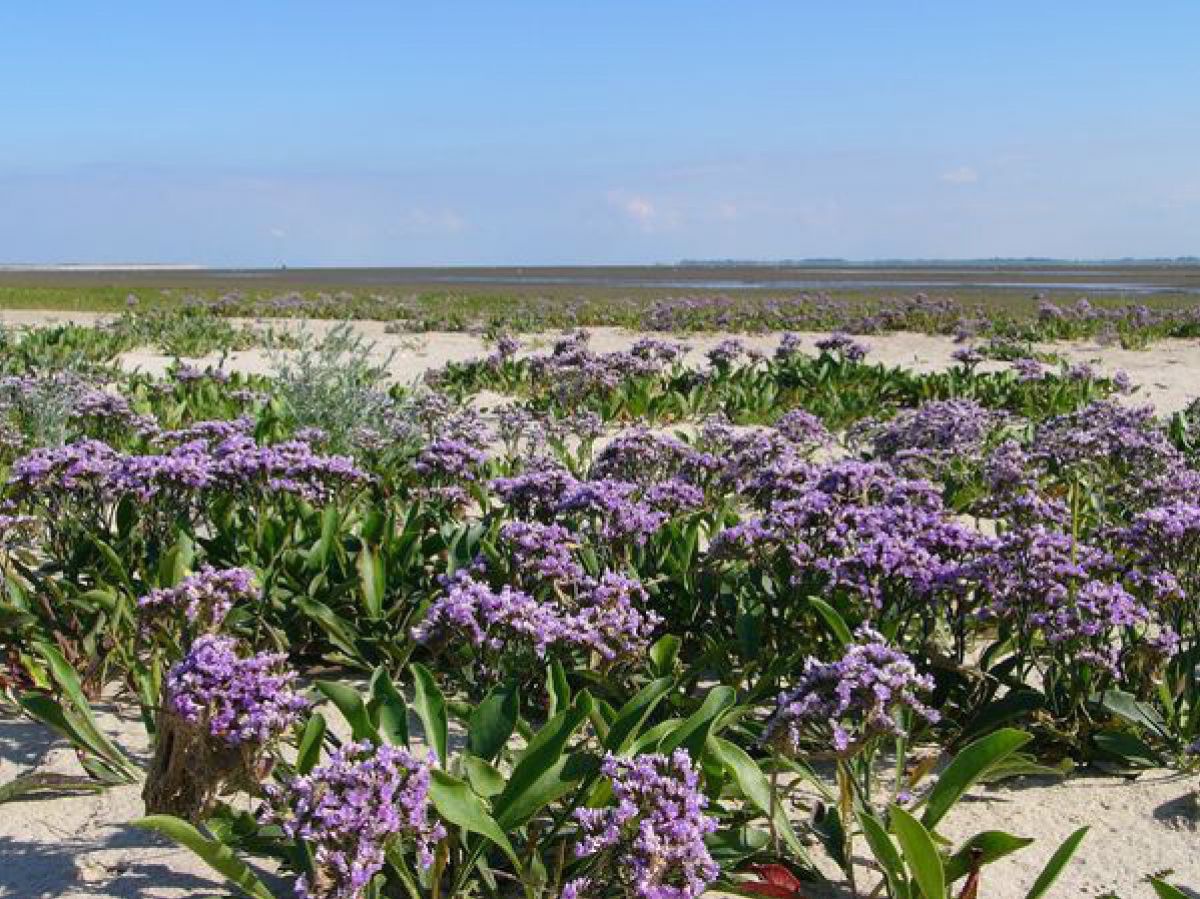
[(964, 174), (643, 212)]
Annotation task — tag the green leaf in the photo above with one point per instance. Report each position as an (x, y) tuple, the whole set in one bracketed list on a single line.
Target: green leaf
[(969, 766), (886, 854), (663, 654), (693, 732), (309, 751), (1057, 862), (341, 633), (634, 713), (920, 853), (485, 779), (833, 620), (47, 782), (755, 786), (73, 717), (217, 855), (175, 562), (493, 721), (455, 802), (372, 581), (388, 709), (541, 772), (1126, 748), (352, 707), (558, 688), (431, 709), (1129, 708), (990, 846), (1164, 890)]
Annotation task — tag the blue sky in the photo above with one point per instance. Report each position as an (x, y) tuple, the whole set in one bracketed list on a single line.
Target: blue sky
[(397, 133)]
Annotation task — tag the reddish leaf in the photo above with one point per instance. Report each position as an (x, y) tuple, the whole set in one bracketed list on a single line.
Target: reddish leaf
[(774, 881)]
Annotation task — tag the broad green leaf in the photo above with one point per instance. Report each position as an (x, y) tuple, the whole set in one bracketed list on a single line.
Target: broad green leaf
[(1164, 890), (1127, 706), (558, 688), (353, 709), (431, 709), (663, 654), (833, 620), (493, 721), (309, 751), (967, 768), (456, 802), (388, 709), (634, 713), (693, 732), (920, 853), (341, 633), (485, 779), (47, 782), (1126, 749), (1057, 862), (886, 854), (372, 581), (217, 855), (990, 846), (755, 786), (541, 769)]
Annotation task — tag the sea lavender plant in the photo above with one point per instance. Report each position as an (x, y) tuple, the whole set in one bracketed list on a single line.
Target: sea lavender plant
[(203, 599), (650, 842), (220, 713), (365, 802), (843, 345), (840, 706)]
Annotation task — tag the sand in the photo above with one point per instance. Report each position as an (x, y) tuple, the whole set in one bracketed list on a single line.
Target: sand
[(80, 846)]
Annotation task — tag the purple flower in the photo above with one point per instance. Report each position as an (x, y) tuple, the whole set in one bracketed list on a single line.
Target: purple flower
[(540, 553), (967, 356), (236, 699), (205, 597), (853, 699), (928, 440), (353, 809), (839, 344), (651, 838)]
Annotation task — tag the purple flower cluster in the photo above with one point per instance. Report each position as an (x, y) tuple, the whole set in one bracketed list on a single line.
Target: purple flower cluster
[(968, 357), (839, 344), (643, 457), (1029, 569), (237, 699), (205, 597), (540, 553), (112, 411), (353, 809), (612, 510), (729, 351), (92, 470), (602, 617), (858, 527), (752, 459), (934, 436), (192, 374), (838, 704), (574, 372), (651, 839), (1164, 545)]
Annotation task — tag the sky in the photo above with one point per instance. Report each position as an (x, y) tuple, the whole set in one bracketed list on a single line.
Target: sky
[(505, 133)]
